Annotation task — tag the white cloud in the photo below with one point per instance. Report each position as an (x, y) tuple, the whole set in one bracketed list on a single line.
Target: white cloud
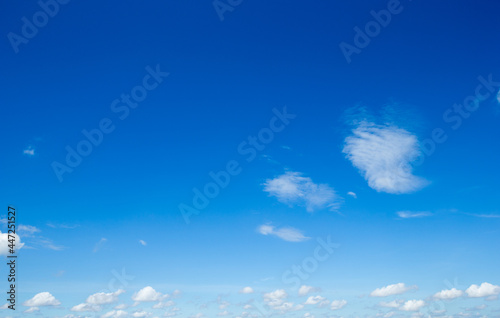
[(484, 290), (141, 314), (384, 156), (104, 298), (246, 290), (27, 229), (30, 151), (162, 304), (143, 243), (293, 189), (352, 194), (448, 294), (85, 307), (275, 298), (304, 290), (412, 305), (391, 304), (313, 300), (115, 314), (4, 243), (31, 310), (338, 304), (42, 299), (147, 294), (286, 233), (394, 289), (409, 214)]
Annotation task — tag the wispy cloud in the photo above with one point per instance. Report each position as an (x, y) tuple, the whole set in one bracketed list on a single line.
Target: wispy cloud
[(410, 214), (143, 243), (30, 151), (287, 233), (384, 156), (293, 189), (394, 289), (99, 244)]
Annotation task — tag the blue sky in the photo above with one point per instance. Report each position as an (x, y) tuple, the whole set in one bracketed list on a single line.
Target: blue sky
[(231, 158)]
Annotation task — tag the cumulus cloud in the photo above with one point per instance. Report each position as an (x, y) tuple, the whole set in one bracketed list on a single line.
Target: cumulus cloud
[(384, 156), (275, 298), (304, 290), (85, 307), (394, 289), (4, 243), (313, 300), (338, 304), (293, 189), (147, 294), (448, 294), (104, 298), (286, 233), (409, 214), (42, 299), (412, 305), (484, 290), (246, 290)]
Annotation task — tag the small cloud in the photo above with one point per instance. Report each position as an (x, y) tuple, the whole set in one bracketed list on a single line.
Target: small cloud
[(286, 147), (313, 300), (394, 289), (352, 194), (30, 151), (104, 298), (99, 244), (143, 243), (338, 304), (32, 310), (148, 294), (246, 290), (27, 229), (448, 294), (391, 304), (412, 305), (409, 214), (288, 234), (304, 290), (42, 299), (293, 189)]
